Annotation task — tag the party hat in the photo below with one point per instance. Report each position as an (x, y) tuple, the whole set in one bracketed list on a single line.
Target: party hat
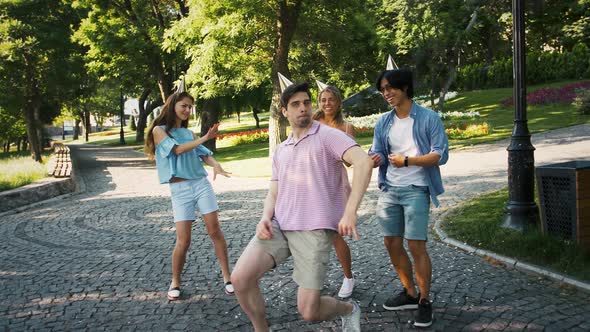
[(391, 65), (321, 86), (284, 82)]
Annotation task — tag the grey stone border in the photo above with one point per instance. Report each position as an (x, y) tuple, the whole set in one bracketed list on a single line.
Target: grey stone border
[(510, 262), (76, 183)]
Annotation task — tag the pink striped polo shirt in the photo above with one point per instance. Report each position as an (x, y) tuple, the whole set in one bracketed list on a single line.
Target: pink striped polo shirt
[(313, 185)]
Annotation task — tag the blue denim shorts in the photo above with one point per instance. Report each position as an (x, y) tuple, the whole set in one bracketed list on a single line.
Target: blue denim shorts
[(404, 212), (189, 195)]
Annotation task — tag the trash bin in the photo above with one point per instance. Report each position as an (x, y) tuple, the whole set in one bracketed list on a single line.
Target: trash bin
[(564, 196)]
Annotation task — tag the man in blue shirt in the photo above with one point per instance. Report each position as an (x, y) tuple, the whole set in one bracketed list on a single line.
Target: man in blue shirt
[(411, 143)]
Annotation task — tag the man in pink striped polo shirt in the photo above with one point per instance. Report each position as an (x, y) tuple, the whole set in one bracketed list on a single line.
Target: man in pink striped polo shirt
[(308, 201)]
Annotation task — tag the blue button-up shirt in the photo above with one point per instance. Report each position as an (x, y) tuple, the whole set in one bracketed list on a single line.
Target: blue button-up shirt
[(187, 165), (429, 136)]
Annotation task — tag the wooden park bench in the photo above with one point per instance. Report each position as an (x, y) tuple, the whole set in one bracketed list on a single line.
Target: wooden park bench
[(60, 165)]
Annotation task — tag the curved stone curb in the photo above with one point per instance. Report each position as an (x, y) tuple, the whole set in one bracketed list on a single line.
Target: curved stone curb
[(511, 262), (77, 184)]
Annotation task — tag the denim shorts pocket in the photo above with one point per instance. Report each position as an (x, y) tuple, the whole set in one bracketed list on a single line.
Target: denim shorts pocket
[(421, 188)]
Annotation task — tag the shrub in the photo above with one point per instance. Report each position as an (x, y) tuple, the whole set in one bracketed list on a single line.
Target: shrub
[(546, 96), (363, 131), (132, 126), (541, 67), (582, 101), (467, 130), (245, 137), (367, 121)]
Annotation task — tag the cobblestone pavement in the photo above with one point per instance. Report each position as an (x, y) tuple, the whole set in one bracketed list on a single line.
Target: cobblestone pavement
[(100, 260)]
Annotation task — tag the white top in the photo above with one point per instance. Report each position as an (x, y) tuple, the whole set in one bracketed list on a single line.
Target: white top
[(401, 141)]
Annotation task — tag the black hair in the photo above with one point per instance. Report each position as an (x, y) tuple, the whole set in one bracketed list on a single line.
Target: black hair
[(398, 79), (293, 89)]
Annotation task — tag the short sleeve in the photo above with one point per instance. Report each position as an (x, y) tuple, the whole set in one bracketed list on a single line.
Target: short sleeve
[(275, 167), (203, 151), (165, 147), (338, 142)]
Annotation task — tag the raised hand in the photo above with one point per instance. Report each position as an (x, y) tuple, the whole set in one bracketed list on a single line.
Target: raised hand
[(212, 132)]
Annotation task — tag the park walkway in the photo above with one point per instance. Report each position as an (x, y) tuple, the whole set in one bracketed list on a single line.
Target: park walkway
[(100, 260)]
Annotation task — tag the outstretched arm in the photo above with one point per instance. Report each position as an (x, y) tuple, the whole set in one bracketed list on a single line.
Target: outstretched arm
[(217, 169), (160, 135)]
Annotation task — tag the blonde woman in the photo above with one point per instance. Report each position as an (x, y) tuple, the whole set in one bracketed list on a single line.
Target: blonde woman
[(330, 114)]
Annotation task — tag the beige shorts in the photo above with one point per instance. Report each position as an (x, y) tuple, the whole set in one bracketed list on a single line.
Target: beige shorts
[(310, 251)]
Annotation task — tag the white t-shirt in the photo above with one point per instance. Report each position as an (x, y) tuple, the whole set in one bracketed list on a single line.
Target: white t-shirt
[(401, 141)]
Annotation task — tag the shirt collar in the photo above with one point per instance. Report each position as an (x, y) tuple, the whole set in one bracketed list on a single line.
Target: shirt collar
[(413, 110), (315, 126)]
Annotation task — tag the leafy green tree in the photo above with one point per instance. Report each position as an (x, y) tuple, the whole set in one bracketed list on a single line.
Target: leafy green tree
[(12, 129), (433, 33), (238, 46), (124, 41), (36, 62)]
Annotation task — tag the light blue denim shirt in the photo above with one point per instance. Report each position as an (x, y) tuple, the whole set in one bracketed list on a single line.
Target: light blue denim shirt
[(188, 165), (429, 136)]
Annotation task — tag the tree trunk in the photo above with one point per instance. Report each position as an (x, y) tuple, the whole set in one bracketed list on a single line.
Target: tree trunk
[(31, 109), (163, 77), (142, 117), (454, 61), (209, 116), (32, 132), (87, 123), (287, 16), (255, 111), (76, 128), (443, 92)]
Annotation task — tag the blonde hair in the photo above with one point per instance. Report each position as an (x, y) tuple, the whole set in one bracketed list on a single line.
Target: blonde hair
[(339, 118)]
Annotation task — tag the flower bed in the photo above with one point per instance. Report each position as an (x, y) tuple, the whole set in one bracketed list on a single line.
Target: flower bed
[(467, 130), (245, 137), (546, 96)]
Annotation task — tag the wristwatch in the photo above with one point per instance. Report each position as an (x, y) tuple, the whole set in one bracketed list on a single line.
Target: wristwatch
[(406, 161)]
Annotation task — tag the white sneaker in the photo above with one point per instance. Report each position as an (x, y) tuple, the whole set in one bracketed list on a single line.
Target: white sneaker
[(352, 321), (347, 288)]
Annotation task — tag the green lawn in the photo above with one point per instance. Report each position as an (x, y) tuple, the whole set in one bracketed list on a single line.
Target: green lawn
[(18, 169), (478, 224)]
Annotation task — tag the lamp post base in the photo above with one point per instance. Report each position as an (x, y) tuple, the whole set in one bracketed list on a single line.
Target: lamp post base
[(121, 137), (520, 216)]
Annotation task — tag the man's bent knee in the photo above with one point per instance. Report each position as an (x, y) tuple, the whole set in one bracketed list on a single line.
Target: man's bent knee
[(309, 313)]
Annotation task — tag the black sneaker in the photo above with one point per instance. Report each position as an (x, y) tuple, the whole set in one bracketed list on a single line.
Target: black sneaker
[(401, 301), (424, 316)]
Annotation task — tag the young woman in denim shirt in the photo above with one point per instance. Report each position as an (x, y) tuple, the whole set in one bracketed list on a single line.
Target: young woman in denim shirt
[(179, 156)]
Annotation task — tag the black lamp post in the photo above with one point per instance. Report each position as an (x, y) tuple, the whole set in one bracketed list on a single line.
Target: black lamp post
[(122, 133), (521, 210)]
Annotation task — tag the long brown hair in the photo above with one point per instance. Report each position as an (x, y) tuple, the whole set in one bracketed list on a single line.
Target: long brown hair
[(320, 113), (166, 117)]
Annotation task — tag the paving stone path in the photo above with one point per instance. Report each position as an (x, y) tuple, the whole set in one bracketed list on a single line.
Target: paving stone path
[(100, 260)]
